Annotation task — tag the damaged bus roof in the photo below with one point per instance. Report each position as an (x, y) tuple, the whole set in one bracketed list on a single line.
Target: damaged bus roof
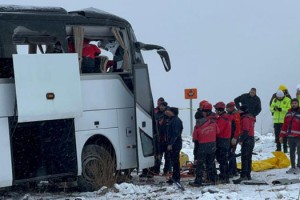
[(91, 14)]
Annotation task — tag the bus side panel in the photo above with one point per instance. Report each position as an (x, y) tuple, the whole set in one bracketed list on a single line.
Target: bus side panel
[(96, 119), (105, 92), (5, 155), (127, 138), (82, 136)]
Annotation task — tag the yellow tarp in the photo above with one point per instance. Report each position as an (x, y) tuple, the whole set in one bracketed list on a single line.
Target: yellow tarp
[(279, 161)]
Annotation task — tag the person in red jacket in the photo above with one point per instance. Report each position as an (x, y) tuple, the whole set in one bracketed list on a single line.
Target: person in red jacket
[(223, 140), (246, 140), (208, 108), (235, 130), (291, 130), (205, 133), (89, 53)]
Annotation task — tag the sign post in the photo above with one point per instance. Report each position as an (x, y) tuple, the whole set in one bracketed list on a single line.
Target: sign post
[(191, 94)]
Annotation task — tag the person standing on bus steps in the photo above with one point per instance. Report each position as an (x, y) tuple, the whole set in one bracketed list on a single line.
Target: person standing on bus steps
[(279, 107), (235, 130), (251, 100), (174, 131), (205, 133), (291, 130), (153, 170), (284, 89), (247, 142), (162, 122), (159, 101), (224, 121)]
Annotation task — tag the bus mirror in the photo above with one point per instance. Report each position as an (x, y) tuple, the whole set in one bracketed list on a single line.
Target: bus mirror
[(160, 50), (165, 59)]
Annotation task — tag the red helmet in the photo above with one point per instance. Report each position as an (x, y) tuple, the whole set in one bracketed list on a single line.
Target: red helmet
[(206, 106), (230, 105), (202, 102), (220, 105)]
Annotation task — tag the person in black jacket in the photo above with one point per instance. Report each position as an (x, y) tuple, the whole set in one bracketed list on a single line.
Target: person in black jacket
[(251, 100), (174, 131)]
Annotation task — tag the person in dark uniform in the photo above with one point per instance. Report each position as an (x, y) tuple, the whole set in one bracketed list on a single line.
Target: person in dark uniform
[(251, 100), (174, 131), (247, 142)]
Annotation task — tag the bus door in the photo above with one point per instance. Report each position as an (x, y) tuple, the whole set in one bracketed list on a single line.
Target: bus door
[(143, 111)]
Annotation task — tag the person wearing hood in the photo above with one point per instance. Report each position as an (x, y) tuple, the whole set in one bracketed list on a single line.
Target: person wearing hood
[(247, 142), (174, 131), (291, 130), (251, 100), (279, 107), (284, 89)]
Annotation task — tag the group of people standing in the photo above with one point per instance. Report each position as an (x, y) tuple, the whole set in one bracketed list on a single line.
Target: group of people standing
[(216, 135), (168, 141)]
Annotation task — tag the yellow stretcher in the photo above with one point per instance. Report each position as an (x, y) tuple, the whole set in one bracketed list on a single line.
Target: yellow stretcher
[(279, 161)]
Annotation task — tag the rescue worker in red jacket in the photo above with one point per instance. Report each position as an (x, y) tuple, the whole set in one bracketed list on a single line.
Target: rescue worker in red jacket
[(209, 113), (291, 130), (205, 133), (247, 142), (198, 115), (223, 140), (235, 130), (89, 53)]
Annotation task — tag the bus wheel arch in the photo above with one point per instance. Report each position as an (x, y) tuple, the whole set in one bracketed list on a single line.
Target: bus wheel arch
[(98, 161)]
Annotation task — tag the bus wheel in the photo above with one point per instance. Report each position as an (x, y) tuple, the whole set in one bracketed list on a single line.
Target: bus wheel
[(98, 168)]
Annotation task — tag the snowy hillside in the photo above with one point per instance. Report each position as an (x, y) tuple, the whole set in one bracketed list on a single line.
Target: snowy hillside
[(157, 189)]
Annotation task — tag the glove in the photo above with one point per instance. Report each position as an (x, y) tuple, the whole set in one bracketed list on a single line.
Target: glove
[(279, 109)]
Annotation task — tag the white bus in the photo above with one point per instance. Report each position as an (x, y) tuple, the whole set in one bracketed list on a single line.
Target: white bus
[(62, 117)]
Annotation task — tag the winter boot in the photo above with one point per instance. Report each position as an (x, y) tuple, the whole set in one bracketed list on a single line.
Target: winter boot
[(195, 184)]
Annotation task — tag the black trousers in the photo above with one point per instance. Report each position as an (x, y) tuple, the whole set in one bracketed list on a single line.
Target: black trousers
[(294, 144), (205, 160), (277, 129), (246, 156), (175, 153), (232, 169), (223, 146)]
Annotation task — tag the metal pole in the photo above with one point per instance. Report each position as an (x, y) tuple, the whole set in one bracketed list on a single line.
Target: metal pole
[(191, 116)]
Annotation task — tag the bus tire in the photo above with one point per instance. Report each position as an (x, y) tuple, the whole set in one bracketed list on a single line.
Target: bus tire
[(98, 168)]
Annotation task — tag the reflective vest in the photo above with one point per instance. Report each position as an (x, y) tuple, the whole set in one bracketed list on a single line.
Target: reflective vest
[(284, 104)]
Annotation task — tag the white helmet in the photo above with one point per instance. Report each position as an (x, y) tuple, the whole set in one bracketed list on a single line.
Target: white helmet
[(279, 94)]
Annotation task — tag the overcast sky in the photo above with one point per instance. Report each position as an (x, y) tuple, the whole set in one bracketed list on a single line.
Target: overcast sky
[(222, 48)]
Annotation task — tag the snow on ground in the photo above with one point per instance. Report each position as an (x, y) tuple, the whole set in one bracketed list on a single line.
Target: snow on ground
[(157, 189)]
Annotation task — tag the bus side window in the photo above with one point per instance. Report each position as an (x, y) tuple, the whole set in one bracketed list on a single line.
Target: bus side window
[(54, 48), (6, 68)]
